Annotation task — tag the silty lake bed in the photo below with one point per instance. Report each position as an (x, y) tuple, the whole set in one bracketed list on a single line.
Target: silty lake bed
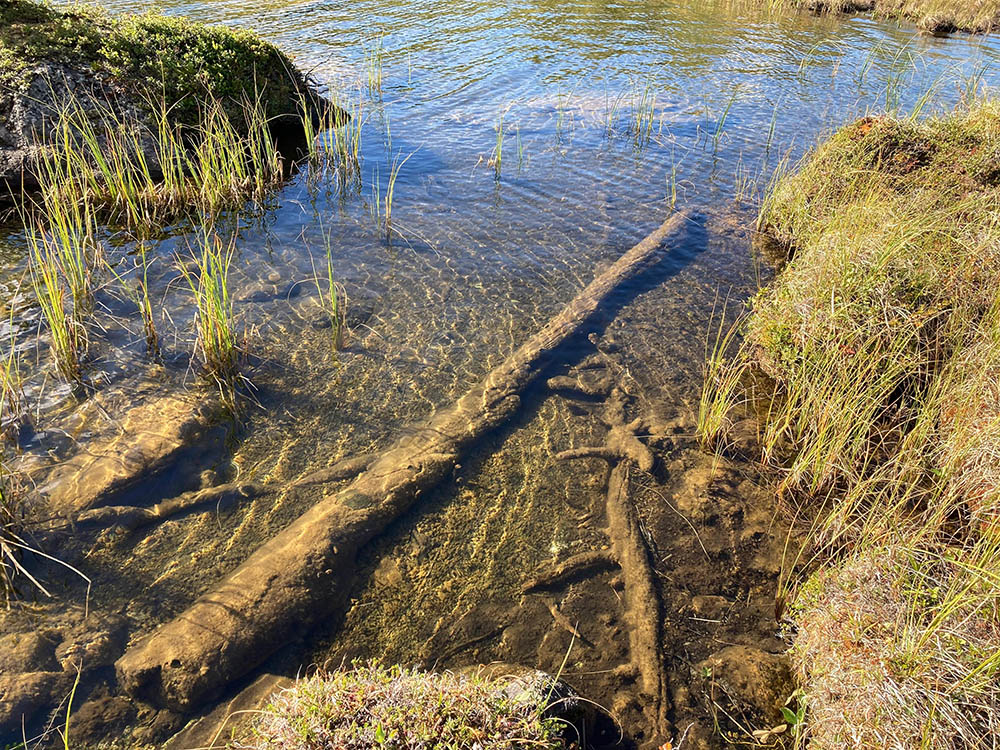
[(605, 116)]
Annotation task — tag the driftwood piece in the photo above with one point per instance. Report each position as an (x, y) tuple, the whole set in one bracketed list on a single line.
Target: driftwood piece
[(304, 573)]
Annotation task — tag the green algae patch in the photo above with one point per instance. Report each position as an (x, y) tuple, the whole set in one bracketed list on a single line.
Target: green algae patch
[(879, 343), (372, 706), (160, 60)]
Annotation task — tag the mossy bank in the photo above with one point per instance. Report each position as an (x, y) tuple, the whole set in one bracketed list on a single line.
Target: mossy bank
[(878, 347), (132, 63)]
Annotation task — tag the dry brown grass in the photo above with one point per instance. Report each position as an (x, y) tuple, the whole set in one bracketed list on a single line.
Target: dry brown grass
[(877, 675)]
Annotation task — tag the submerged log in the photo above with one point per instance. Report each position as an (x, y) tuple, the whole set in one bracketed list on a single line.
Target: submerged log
[(570, 570), (220, 497), (305, 572)]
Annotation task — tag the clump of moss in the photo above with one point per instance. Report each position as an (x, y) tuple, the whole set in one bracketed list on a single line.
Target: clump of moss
[(881, 342), (372, 706), (161, 60), (182, 61)]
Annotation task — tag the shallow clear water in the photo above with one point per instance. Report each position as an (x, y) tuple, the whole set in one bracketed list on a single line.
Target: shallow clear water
[(477, 261)]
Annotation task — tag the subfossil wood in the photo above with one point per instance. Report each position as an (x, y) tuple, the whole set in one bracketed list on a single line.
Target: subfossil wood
[(562, 620), (304, 574), (130, 517), (346, 469), (642, 599), (622, 440), (571, 569)]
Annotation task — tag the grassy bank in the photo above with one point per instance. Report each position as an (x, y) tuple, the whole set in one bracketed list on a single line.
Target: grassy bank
[(939, 16), (872, 364)]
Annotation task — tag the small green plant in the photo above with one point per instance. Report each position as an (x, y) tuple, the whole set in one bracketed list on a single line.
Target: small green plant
[(390, 189), (217, 342), (720, 126), (69, 710), (13, 411), (11, 542), (333, 298), (794, 713), (68, 333), (770, 130), (612, 107), (643, 111), (145, 305), (374, 57), (496, 158), (137, 290), (346, 133)]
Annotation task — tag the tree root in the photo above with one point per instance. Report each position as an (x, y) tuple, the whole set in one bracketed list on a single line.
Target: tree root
[(642, 599), (346, 469), (131, 518), (572, 569), (304, 574)]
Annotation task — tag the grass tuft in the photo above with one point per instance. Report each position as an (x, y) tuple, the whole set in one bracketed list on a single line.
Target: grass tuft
[(217, 342), (936, 16), (107, 161), (63, 305), (377, 707)]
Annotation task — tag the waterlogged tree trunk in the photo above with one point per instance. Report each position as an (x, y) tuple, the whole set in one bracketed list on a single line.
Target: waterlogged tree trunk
[(304, 573)]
